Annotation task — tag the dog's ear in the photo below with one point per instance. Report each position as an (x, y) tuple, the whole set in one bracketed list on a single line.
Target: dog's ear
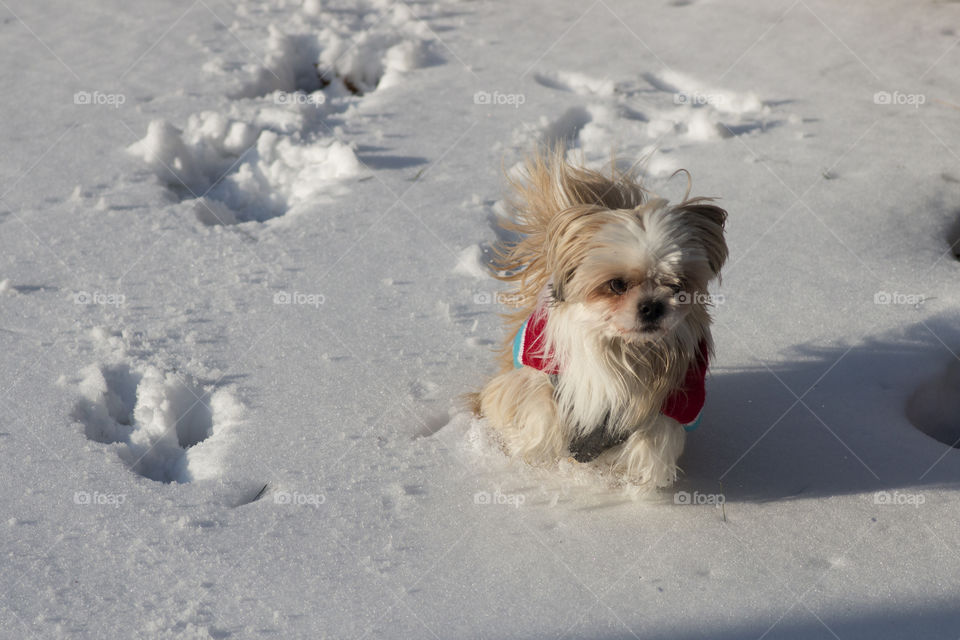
[(558, 287), (708, 221)]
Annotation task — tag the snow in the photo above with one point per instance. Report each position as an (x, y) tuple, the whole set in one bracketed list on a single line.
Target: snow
[(470, 263), (170, 429), (242, 291), (246, 171)]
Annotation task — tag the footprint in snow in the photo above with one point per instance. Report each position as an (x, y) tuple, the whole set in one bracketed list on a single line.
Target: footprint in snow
[(934, 408), (168, 427), (260, 159)]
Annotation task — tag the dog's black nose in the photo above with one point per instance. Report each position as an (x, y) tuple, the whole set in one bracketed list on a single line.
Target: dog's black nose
[(650, 310)]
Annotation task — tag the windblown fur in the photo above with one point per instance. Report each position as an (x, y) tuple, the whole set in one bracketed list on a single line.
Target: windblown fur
[(584, 236)]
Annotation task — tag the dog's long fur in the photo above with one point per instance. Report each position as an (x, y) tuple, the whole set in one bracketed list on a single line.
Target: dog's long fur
[(579, 231)]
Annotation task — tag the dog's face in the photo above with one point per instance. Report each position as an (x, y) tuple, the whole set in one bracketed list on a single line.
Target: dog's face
[(637, 272)]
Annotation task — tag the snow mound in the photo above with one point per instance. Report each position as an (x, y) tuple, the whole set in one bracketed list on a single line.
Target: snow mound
[(691, 91), (239, 172), (289, 65), (567, 127), (671, 111), (271, 153), (470, 263), (575, 82), (703, 113), (352, 51)]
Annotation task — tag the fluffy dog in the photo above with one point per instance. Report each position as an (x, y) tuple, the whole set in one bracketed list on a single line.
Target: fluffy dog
[(608, 347)]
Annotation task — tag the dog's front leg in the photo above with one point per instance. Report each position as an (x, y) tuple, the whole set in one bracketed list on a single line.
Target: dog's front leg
[(519, 405), (649, 456)]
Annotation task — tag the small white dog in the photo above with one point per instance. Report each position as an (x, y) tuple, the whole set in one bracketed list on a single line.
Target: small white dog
[(608, 349)]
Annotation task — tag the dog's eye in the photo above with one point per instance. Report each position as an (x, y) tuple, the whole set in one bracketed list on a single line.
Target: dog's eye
[(676, 287), (618, 286)]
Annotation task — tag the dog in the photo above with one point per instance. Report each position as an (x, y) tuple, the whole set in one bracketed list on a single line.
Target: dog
[(610, 342)]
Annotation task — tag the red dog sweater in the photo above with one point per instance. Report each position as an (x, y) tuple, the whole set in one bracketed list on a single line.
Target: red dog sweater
[(683, 405)]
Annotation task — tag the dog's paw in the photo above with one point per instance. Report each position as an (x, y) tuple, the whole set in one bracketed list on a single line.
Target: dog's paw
[(647, 459)]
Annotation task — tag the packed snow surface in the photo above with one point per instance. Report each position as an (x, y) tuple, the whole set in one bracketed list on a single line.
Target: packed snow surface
[(244, 285)]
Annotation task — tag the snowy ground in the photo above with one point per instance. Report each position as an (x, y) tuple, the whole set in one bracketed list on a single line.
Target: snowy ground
[(241, 246)]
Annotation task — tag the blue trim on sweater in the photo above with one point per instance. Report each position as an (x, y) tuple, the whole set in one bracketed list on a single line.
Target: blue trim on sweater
[(518, 346), (693, 425)]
